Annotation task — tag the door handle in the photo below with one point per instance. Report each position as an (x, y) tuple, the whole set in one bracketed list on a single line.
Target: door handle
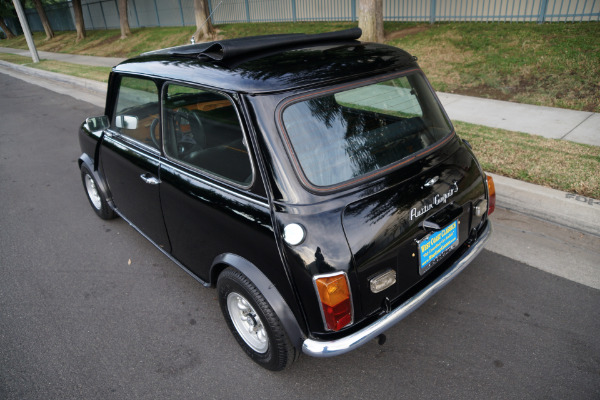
[(149, 179)]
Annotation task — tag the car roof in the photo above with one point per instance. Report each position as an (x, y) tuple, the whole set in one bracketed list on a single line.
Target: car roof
[(272, 63)]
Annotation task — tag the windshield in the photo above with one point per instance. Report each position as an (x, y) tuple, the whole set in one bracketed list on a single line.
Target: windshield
[(344, 135)]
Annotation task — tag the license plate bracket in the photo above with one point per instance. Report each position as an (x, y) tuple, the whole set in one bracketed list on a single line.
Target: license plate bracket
[(436, 245)]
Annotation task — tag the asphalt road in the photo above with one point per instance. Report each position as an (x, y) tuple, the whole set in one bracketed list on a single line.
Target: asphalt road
[(90, 310)]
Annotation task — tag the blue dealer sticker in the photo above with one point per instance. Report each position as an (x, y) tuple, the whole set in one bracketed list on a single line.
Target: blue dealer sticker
[(435, 246)]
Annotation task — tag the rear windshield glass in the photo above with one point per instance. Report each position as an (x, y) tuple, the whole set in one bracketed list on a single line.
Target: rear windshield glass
[(343, 135)]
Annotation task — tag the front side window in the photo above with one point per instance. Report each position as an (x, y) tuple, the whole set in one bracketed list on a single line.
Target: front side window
[(201, 129), (344, 135), (136, 113)]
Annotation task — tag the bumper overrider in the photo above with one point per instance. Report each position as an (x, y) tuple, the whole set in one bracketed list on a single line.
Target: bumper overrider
[(320, 348)]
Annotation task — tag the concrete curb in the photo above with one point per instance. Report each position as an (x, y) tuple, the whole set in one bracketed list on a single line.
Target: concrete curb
[(96, 87), (573, 211)]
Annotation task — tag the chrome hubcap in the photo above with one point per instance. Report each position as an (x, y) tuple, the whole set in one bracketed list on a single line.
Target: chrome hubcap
[(92, 192), (247, 322)]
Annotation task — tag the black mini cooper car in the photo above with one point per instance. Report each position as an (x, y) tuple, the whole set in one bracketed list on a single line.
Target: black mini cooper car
[(314, 180)]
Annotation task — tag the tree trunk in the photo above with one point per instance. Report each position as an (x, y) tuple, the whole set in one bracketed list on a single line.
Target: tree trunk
[(370, 20), (9, 34), (124, 19), (79, 23), (379, 18), (44, 19), (204, 27)]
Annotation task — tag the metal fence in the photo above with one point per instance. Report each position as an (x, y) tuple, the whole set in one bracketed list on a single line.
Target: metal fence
[(104, 14)]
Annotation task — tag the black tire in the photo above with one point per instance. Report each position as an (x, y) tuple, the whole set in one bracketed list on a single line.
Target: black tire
[(95, 195), (279, 352)]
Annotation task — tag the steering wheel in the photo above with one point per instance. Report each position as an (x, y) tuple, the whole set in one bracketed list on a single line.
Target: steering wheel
[(186, 141), (153, 133)]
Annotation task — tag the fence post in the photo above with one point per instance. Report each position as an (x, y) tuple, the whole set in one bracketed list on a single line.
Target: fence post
[(156, 10), (247, 11), (294, 10), (103, 16), (542, 13), (181, 13), (432, 12), (89, 14), (136, 14), (353, 6)]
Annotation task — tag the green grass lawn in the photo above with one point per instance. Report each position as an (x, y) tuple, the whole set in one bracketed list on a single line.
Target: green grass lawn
[(556, 65), (559, 164)]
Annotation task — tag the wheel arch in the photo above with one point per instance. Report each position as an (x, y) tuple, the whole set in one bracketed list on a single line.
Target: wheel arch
[(266, 287)]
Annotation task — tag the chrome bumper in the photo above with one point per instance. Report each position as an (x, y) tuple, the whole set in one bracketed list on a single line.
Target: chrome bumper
[(318, 348)]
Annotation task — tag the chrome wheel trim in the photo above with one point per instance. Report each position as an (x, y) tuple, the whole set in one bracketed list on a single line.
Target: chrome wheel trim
[(92, 192), (247, 322)]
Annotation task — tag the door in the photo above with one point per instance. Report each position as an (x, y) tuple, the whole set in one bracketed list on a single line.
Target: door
[(130, 158), (207, 195)]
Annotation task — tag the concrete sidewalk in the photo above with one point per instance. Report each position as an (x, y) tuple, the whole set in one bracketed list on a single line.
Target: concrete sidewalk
[(566, 209), (555, 123)]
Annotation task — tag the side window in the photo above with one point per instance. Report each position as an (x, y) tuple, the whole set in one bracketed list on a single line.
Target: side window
[(202, 129), (136, 113)]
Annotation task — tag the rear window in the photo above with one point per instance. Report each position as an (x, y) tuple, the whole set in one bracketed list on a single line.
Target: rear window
[(346, 134)]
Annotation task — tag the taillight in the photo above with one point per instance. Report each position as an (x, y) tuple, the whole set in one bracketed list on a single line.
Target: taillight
[(334, 296), (491, 195)]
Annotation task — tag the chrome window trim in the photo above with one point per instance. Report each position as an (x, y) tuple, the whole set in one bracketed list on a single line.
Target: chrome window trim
[(131, 141)]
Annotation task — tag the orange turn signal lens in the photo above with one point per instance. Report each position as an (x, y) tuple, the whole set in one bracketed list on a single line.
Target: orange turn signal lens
[(491, 195), (333, 290), (336, 304)]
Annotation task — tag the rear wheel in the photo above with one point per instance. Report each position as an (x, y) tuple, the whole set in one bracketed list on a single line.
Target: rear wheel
[(253, 322), (95, 195)]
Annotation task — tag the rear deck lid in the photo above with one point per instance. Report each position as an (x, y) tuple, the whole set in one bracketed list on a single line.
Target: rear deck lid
[(412, 227)]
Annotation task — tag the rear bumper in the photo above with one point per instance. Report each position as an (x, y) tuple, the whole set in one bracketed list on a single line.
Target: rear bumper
[(318, 348)]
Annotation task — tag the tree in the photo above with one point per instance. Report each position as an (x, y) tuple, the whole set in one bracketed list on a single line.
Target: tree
[(204, 27), (9, 34), (44, 19), (124, 19), (79, 23), (370, 20), (6, 10)]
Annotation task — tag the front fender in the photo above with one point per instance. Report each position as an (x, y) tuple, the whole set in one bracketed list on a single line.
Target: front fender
[(268, 290)]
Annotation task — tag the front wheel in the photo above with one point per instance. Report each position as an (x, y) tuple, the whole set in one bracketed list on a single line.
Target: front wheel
[(253, 322), (94, 194)]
